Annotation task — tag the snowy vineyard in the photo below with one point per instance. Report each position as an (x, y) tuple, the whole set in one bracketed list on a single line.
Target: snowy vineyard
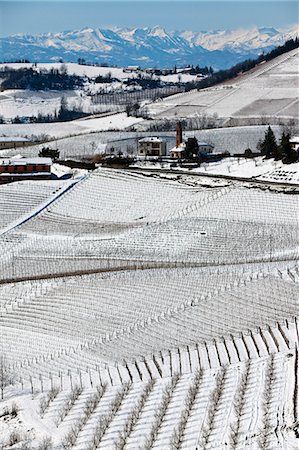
[(148, 312), (206, 409)]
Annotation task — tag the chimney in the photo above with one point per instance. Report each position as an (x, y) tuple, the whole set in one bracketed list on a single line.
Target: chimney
[(179, 134)]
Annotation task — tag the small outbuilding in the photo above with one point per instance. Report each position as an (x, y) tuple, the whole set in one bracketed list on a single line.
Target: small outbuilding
[(178, 152), (204, 147), (294, 141), (14, 142)]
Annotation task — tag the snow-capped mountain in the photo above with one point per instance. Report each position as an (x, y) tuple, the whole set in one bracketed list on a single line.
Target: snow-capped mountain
[(147, 47)]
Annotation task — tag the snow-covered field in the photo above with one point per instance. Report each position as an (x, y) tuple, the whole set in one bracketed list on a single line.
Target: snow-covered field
[(22, 103), (54, 130), (151, 311), (27, 103), (233, 139), (269, 90), (257, 168), (94, 71), (242, 406)]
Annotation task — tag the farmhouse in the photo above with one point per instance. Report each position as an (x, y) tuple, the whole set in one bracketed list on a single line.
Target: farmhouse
[(294, 141), (13, 142), (132, 69), (151, 146), (25, 169)]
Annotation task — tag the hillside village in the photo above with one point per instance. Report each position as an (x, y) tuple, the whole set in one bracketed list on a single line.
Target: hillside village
[(149, 255)]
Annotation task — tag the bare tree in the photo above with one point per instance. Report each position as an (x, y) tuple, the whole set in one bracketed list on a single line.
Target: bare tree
[(6, 375)]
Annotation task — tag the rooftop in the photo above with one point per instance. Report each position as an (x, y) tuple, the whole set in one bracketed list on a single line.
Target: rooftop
[(151, 139), (180, 148), (205, 143), (13, 139), (25, 161)]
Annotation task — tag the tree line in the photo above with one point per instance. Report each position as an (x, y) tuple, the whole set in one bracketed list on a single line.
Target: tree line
[(30, 78), (64, 114)]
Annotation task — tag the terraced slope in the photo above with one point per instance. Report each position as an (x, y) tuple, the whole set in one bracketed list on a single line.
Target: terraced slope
[(178, 300), (19, 199), (271, 89), (241, 406)]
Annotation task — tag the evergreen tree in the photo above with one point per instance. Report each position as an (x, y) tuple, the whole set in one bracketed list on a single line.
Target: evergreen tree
[(192, 148), (269, 145)]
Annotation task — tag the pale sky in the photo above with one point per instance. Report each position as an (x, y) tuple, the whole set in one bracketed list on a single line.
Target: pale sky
[(40, 16)]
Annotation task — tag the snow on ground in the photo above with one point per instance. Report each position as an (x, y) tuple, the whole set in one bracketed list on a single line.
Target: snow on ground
[(256, 168), (262, 414), (75, 69), (20, 198), (269, 90), (129, 278), (22, 103), (233, 140), (93, 71), (27, 103), (54, 130)]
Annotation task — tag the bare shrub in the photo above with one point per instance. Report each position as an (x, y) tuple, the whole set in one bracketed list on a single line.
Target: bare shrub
[(177, 435), (25, 446), (268, 387), (106, 419), (134, 416), (68, 404), (7, 376), (239, 403), (14, 438), (166, 397), (91, 403), (47, 399), (45, 444), (14, 409), (214, 400)]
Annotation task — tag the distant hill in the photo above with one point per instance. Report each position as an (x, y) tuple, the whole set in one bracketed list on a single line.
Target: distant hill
[(266, 94), (147, 47)]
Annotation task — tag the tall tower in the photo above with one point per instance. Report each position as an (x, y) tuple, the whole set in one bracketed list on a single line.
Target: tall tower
[(179, 134)]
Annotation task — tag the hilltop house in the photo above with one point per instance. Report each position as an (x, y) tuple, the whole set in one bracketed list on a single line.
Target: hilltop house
[(151, 146), (132, 69), (25, 169)]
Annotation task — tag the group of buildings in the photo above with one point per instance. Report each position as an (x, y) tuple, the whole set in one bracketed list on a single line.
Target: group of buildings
[(155, 146), (39, 168)]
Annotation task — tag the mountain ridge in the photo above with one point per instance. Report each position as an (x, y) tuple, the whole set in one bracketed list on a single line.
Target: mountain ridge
[(147, 46)]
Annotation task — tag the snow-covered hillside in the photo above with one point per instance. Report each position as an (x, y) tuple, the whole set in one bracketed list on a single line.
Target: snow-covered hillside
[(26, 103), (270, 90), (234, 140), (243, 406), (44, 131), (149, 310)]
